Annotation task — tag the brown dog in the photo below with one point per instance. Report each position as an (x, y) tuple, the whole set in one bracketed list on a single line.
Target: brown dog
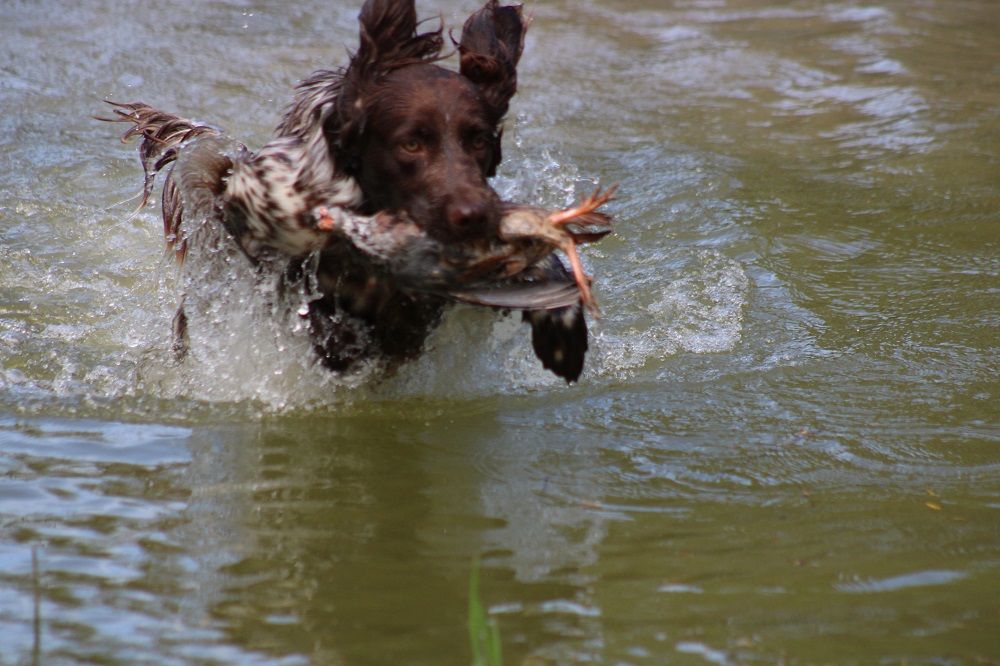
[(393, 134)]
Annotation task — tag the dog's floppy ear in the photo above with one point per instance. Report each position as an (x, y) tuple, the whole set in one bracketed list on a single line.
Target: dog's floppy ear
[(491, 44), (388, 40)]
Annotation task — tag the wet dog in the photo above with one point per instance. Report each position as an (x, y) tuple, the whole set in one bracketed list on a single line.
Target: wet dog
[(406, 147)]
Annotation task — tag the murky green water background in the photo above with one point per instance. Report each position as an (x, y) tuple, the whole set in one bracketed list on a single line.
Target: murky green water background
[(785, 450)]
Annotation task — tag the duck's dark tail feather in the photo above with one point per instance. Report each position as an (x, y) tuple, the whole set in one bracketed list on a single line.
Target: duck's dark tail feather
[(558, 328), (559, 338)]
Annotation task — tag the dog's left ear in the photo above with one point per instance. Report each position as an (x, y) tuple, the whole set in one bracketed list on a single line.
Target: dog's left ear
[(491, 45)]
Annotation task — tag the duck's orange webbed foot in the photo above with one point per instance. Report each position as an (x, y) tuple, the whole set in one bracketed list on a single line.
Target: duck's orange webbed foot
[(588, 205), (568, 245), (581, 278)]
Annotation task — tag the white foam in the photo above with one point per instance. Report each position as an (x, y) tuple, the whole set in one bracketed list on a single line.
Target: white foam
[(112, 339), (700, 311)]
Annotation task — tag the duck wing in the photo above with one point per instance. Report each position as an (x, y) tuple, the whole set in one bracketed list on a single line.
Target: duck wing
[(550, 301)]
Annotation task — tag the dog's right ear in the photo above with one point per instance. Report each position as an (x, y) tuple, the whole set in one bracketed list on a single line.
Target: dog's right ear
[(491, 45), (388, 40)]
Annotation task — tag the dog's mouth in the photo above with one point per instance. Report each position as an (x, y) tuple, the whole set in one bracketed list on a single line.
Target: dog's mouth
[(471, 221), (465, 220)]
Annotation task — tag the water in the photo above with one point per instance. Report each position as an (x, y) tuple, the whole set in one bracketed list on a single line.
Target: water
[(784, 449)]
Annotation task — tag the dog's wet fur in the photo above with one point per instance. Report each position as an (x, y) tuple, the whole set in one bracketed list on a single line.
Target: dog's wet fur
[(393, 131)]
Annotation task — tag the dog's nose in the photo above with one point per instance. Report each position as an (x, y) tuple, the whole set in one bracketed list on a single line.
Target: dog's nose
[(467, 218)]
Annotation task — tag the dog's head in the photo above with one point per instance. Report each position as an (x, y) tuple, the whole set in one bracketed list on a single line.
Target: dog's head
[(419, 138)]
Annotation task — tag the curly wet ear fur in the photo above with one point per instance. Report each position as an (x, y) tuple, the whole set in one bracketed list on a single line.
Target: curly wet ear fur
[(388, 40), (490, 48)]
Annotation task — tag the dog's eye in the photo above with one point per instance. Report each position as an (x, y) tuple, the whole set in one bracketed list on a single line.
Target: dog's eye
[(480, 141), (412, 145)]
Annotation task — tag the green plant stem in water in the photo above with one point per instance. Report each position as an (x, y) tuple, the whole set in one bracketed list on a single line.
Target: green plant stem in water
[(484, 631)]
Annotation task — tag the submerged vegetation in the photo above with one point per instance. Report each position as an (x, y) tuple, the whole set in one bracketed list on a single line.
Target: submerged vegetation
[(484, 631)]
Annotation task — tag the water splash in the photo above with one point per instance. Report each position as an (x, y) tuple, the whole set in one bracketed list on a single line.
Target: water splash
[(247, 338), (90, 329), (701, 311)]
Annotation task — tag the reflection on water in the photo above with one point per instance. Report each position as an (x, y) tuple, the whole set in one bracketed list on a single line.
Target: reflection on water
[(784, 448)]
